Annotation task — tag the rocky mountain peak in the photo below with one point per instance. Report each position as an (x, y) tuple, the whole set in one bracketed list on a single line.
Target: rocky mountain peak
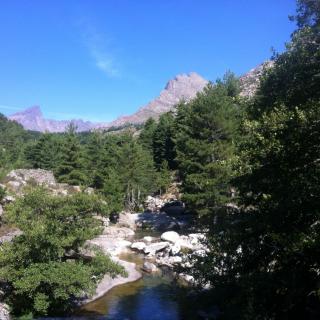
[(181, 87)]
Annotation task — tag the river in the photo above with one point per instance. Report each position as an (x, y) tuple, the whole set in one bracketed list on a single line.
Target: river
[(154, 296)]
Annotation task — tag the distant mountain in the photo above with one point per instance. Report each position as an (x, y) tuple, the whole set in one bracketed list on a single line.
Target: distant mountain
[(250, 81), (182, 87), (32, 119)]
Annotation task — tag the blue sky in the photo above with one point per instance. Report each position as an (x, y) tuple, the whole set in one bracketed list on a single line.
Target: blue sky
[(99, 59)]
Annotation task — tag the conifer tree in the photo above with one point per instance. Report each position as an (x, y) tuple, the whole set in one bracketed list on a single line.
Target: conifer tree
[(71, 169), (205, 135), (163, 143)]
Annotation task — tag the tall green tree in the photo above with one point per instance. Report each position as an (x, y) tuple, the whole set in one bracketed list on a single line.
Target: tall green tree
[(147, 133), (71, 168), (46, 152), (266, 255), (135, 167), (163, 143), (205, 135)]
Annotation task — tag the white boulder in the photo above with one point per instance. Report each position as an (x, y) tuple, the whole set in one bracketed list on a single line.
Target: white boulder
[(175, 249), (153, 248), (170, 236), (149, 267), (148, 239), (138, 246)]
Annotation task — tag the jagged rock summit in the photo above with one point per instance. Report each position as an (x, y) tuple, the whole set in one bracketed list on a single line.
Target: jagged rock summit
[(32, 119), (182, 87)]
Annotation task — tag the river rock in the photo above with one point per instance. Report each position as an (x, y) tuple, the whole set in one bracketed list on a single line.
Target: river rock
[(15, 186), (153, 248), (127, 219), (148, 239), (4, 312), (34, 176), (149, 267), (105, 221), (1, 210), (9, 236), (112, 246), (8, 199), (175, 249), (118, 232), (89, 191), (169, 261), (154, 204), (138, 246), (170, 236), (187, 277)]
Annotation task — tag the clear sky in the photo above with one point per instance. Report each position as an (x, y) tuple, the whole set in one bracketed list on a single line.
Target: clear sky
[(98, 59)]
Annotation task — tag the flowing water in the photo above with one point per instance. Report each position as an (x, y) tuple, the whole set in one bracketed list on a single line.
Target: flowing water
[(154, 296)]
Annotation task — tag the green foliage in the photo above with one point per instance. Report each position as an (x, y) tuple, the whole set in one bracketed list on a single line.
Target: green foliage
[(265, 256), (205, 135), (2, 193), (46, 152), (71, 168), (13, 141), (137, 173), (36, 264), (113, 191), (147, 134), (163, 177), (163, 144), (308, 13)]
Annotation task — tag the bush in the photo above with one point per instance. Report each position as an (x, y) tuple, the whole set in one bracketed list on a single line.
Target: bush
[(37, 265)]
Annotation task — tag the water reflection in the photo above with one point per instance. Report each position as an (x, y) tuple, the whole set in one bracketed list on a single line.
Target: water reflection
[(153, 297)]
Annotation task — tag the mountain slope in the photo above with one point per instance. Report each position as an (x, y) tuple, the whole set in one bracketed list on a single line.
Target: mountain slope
[(32, 119), (182, 87)]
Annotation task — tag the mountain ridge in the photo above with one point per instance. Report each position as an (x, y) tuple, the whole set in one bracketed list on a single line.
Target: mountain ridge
[(181, 87)]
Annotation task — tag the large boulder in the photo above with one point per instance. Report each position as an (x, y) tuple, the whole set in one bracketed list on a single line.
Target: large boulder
[(149, 267), (8, 199), (105, 221), (32, 176), (175, 249), (153, 204), (111, 246), (169, 261), (127, 219), (139, 246), (148, 239), (170, 236), (9, 236), (4, 312), (118, 232), (174, 208), (153, 248)]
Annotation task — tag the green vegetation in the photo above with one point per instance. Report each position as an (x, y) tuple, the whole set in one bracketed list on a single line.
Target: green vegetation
[(12, 144), (44, 267), (205, 138), (249, 171), (264, 259)]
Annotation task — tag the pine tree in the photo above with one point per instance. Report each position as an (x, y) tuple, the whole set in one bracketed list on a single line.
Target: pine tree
[(163, 143), (147, 133), (163, 177), (135, 167), (205, 135), (266, 255), (45, 153), (71, 169)]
